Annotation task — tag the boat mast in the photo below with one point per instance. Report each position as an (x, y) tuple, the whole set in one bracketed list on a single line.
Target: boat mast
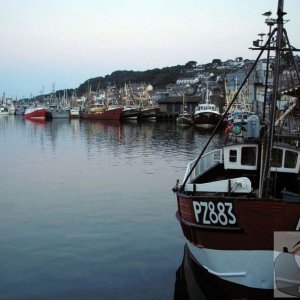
[(207, 92), (270, 22), (279, 42)]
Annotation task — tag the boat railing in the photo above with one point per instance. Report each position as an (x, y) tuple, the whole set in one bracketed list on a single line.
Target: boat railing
[(207, 161)]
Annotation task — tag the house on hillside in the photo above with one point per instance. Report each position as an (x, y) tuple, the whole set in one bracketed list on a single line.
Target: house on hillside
[(257, 83)]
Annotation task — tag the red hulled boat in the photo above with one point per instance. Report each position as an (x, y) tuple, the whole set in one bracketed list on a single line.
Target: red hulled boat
[(234, 200), (109, 113), (36, 113)]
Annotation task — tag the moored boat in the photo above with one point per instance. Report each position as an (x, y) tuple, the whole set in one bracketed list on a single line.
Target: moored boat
[(206, 115), (184, 119), (74, 112), (4, 111), (240, 110), (233, 200), (12, 109), (60, 113), (130, 108), (130, 113), (36, 113), (59, 108), (107, 113), (148, 113), (20, 110)]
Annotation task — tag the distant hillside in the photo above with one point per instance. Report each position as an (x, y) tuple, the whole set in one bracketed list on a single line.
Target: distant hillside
[(156, 77)]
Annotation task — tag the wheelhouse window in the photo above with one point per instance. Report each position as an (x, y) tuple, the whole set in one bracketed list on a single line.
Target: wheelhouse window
[(241, 157), (248, 157), (290, 160), (232, 155)]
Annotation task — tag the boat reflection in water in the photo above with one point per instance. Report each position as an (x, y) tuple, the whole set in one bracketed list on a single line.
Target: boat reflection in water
[(188, 284), (39, 122)]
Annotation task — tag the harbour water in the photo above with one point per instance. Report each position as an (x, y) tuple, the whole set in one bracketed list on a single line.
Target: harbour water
[(87, 209)]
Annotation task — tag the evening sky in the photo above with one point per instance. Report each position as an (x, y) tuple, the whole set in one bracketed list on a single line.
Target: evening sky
[(66, 42)]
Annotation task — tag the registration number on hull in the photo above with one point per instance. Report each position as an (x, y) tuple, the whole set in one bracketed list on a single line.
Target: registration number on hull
[(214, 213)]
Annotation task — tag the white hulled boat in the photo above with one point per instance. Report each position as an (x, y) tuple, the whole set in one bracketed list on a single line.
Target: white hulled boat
[(206, 115)]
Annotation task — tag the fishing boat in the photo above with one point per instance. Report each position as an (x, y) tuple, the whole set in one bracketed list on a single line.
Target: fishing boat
[(148, 113), (100, 111), (59, 108), (240, 110), (4, 111), (60, 113), (148, 108), (130, 112), (233, 200), (75, 112), (36, 113), (206, 115), (130, 108), (184, 119), (20, 110), (11, 109)]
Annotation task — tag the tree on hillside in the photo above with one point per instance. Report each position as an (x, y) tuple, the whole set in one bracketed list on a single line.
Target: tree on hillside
[(156, 77), (191, 64), (217, 62)]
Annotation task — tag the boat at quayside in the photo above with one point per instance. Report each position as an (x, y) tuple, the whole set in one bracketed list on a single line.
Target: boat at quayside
[(234, 200), (36, 113), (74, 112), (206, 115), (148, 110), (102, 112), (130, 108), (59, 108)]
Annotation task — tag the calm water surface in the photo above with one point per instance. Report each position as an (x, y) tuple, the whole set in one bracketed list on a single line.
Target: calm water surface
[(87, 211)]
